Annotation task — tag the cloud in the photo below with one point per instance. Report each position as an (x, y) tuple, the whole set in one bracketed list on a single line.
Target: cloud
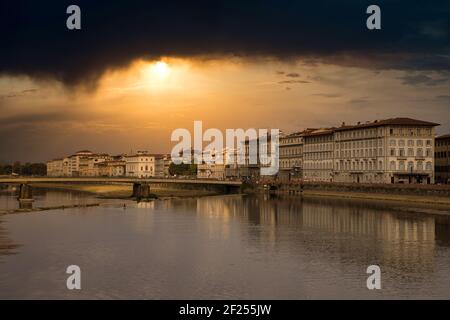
[(443, 98), (293, 81), (36, 42), (422, 79), (327, 95), (359, 101), (16, 94)]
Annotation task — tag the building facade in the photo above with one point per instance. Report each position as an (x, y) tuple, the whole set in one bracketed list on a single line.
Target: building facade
[(145, 165), (442, 158), (398, 150), (291, 154), (213, 168), (318, 155)]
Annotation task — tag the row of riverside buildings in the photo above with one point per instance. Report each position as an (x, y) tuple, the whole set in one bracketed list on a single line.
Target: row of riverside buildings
[(397, 150), (85, 163)]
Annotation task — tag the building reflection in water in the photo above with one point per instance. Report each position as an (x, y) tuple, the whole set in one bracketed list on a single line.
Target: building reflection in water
[(369, 233), (7, 246)]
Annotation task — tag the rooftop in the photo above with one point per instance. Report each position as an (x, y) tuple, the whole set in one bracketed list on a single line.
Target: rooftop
[(319, 132), (392, 121)]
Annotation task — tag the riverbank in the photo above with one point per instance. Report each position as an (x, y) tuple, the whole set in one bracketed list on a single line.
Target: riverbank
[(124, 191), (441, 203)]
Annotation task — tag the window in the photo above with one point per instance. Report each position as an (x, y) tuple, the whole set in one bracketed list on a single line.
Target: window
[(419, 165), (392, 165), (410, 166), (392, 152), (401, 166), (410, 152), (402, 152), (420, 152), (428, 166)]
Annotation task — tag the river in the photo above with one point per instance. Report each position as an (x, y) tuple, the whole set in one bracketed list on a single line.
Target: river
[(222, 247)]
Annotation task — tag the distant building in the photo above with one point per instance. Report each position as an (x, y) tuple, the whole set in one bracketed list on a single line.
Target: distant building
[(144, 165), (112, 168), (89, 165), (291, 154), (442, 158), (58, 167), (318, 152), (226, 168), (79, 162), (55, 168), (257, 154), (167, 160)]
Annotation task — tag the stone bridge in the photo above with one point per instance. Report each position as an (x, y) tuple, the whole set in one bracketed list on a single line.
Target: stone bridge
[(141, 186)]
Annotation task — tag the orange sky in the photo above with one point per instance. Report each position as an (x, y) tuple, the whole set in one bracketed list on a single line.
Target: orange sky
[(139, 106)]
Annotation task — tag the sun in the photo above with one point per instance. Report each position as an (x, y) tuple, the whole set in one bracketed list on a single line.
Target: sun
[(159, 70)]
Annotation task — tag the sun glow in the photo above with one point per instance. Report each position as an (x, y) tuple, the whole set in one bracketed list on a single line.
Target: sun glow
[(159, 70)]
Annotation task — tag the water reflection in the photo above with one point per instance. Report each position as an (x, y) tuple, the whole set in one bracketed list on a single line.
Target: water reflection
[(7, 246), (234, 247)]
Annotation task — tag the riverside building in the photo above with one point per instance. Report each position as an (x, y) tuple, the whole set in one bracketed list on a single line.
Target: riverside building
[(398, 150), (442, 156)]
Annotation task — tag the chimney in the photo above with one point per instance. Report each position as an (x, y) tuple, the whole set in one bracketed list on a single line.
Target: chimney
[(343, 124)]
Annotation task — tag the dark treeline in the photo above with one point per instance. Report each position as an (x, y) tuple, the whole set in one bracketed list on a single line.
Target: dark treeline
[(27, 169), (183, 169)]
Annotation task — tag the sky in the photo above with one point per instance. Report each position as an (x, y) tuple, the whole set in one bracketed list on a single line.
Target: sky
[(137, 70)]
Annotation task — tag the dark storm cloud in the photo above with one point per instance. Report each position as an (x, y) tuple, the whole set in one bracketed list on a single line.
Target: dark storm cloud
[(422, 80), (36, 42)]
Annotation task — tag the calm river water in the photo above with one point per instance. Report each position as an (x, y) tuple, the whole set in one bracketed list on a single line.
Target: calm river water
[(224, 247)]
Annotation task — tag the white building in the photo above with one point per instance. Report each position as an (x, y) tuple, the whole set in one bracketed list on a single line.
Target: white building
[(318, 152), (219, 168), (144, 165), (398, 150), (291, 154)]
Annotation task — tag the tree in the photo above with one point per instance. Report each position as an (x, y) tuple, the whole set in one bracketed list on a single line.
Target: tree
[(183, 169), (28, 169)]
